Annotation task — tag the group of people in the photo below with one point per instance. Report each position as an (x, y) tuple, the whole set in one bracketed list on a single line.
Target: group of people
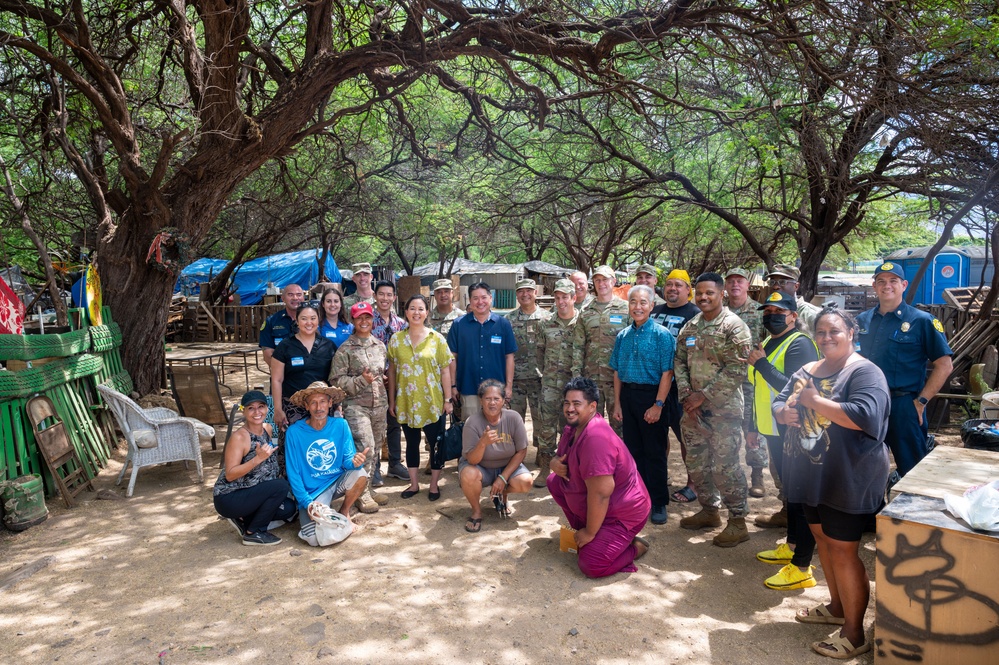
[(814, 393)]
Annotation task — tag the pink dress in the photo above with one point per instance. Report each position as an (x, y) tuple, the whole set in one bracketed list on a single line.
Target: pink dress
[(598, 451)]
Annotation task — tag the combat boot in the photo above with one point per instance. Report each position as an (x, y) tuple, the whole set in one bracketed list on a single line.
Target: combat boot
[(735, 532), (380, 499), (707, 518), (776, 521), (366, 504), (542, 480), (757, 491)]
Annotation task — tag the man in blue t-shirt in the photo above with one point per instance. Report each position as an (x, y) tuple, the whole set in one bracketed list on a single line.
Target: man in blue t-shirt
[(483, 346), (901, 340), (320, 459)]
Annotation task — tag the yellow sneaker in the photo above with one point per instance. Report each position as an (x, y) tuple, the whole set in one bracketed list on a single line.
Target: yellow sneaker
[(790, 577), (781, 555)]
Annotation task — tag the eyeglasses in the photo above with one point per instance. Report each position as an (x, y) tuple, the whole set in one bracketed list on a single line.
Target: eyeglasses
[(780, 282)]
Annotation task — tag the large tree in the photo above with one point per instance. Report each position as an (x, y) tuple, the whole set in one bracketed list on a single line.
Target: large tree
[(170, 105)]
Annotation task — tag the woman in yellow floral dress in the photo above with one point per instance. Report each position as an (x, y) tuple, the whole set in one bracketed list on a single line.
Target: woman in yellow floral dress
[(419, 376)]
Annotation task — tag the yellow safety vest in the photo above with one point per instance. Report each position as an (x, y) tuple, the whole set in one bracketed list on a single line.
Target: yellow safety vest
[(763, 392)]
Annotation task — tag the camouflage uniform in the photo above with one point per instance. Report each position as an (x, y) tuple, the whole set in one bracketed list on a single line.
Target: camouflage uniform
[(708, 359), (753, 318), (807, 313), (353, 299), (442, 322), (593, 341), (554, 359), (366, 404), (586, 302), (526, 376)]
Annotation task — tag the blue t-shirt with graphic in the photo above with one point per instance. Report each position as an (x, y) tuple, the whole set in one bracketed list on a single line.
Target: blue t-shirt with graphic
[(315, 459)]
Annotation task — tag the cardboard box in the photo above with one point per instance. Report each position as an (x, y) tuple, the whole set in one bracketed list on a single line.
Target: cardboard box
[(937, 596), (567, 539)]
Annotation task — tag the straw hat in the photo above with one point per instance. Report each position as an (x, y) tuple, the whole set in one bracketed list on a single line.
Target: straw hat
[(301, 398)]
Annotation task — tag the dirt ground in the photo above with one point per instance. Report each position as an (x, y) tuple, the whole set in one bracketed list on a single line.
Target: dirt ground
[(157, 578)]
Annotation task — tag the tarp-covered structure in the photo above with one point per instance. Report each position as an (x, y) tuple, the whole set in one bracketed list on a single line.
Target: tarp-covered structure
[(250, 279)]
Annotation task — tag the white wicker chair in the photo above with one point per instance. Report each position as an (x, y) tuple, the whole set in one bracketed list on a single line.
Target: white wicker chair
[(176, 439)]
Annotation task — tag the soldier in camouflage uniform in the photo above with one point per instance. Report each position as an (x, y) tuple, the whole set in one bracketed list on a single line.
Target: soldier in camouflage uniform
[(710, 367), (583, 295), (358, 366), (737, 283), (785, 278), (444, 312), (362, 279), (526, 320), (554, 359), (647, 275), (593, 340)]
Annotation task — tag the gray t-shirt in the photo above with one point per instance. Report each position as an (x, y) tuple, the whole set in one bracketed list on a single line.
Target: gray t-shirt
[(512, 437), (827, 464)]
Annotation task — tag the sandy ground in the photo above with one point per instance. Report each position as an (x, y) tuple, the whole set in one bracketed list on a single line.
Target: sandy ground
[(157, 578)]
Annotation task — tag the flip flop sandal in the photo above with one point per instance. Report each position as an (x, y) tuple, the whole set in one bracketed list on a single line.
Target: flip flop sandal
[(644, 541), (473, 525), (838, 647), (818, 614), (684, 495)]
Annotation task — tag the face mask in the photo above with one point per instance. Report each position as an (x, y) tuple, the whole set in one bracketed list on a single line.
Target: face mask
[(775, 323)]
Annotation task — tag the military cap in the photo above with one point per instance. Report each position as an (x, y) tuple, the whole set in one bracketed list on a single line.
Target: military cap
[(565, 286), (443, 284), (784, 270), (526, 284), (604, 271), (739, 272), (893, 268), (361, 267), (647, 268)]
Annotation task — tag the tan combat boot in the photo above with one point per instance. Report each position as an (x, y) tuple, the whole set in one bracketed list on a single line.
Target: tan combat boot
[(707, 518), (542, 479), (776, 521), (380, 499), (757, 491), (735, 532), (366, 504)]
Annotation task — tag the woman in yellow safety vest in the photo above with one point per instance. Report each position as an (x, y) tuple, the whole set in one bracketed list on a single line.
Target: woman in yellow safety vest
[(771, 364)]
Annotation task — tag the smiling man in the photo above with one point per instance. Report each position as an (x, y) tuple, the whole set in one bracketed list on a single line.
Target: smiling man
[(642, 361), (901, 340), (710, 365), (281, 325)]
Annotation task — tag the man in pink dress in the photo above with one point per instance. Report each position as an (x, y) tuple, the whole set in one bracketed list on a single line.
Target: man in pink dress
[(596, 483)]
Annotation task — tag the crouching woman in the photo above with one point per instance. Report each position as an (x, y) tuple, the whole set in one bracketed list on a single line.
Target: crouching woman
[(596, 483)]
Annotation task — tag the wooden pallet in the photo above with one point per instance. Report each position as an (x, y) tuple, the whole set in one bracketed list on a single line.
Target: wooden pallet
[(966, 298)]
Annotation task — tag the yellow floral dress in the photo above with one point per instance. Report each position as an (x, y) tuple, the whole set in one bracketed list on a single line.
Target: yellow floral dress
[(419, 400)]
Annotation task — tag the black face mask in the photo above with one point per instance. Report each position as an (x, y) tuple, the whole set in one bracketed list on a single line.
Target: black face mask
[(775, 323)]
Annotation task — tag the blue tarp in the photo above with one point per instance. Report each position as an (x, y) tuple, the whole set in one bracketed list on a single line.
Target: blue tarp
[(251, 278)]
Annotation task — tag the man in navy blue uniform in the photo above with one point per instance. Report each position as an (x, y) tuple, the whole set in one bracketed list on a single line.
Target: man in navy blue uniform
[(901, 340), (282, 324)]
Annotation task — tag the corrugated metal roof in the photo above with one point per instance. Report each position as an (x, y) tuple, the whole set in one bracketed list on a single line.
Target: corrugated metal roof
[(971, 251), (464, 267)]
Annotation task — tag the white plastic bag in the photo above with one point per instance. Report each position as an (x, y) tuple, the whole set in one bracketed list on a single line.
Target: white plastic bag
[(328, 527), (979, 506)]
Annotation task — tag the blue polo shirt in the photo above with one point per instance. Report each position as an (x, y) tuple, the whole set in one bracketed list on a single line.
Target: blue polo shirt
[(642, 354), (481, 350), (277, 328), (900, 343), (336, 335)]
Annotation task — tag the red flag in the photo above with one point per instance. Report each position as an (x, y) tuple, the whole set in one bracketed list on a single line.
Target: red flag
[(11, 311)]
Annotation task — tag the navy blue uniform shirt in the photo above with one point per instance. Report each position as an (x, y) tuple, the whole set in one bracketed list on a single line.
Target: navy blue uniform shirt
[(277, 328), (900, 343)]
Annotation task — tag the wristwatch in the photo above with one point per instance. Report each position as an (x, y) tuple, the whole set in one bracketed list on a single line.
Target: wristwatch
[(659, 403), (922, 400)]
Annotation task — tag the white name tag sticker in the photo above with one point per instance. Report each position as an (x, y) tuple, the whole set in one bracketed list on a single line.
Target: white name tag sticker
[(691, 341), (330, 334), (277, 340), (616, 318), (496, 339), (297, 362)]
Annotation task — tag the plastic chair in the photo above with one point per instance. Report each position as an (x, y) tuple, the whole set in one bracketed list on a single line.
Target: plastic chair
[(57, 450), (154, 436), (196, 391)]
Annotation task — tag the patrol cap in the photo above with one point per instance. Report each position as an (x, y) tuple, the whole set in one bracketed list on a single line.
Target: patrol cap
[(526, 284), (251, 397), (360, 308), (443, 284), (782, 300), (565, 286), (893, 268), (739, 272), (679, 274), (361, 267), (604, 271), (647, 268), (784, 270)]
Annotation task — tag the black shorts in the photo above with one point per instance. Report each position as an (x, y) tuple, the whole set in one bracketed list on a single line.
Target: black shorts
[(836, 524)]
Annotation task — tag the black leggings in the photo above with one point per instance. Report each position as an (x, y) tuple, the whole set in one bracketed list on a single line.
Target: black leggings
[(798, 532), (433, 432), (259, 505)]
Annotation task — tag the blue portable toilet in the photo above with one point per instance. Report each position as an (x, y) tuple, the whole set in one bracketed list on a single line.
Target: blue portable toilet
[(951, 269)]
